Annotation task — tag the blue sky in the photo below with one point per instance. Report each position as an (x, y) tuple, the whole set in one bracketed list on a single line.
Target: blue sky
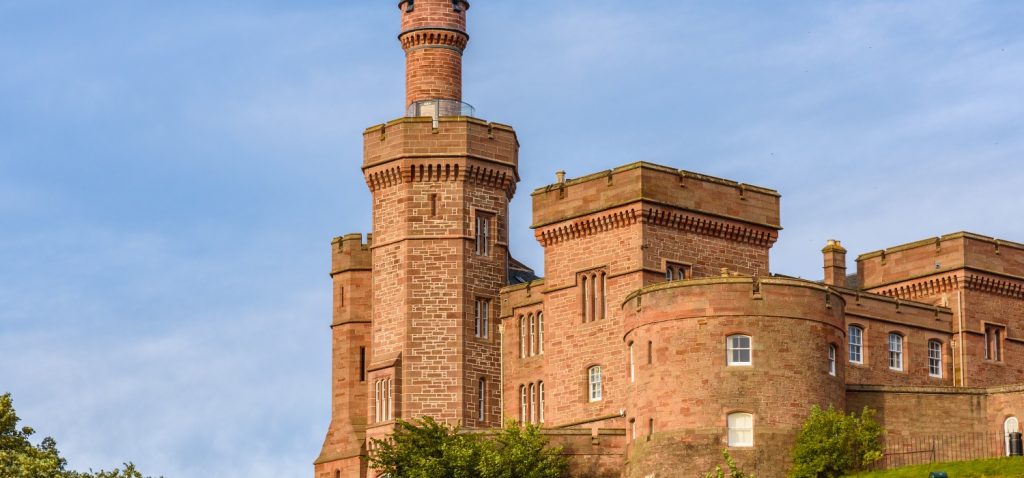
[(171, 174)]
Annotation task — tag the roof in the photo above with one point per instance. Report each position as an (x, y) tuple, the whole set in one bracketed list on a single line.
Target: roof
[(519, 273)]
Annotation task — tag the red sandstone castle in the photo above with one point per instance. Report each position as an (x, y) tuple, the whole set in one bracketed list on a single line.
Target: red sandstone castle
[(659, 336)]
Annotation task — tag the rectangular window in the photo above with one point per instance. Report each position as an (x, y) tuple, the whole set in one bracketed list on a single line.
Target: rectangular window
[(533, 403), (540, 332), (540, 390), (362, 364), (632, 368), (676, 271), (533, 335), (522, 404), (483, 234), (832, 360), (482, 399), (741, 429), (935, 358), (856, 335), (994, 342), (522, 337), (895, 351), (738, 350), (482, 320), (594, 375)]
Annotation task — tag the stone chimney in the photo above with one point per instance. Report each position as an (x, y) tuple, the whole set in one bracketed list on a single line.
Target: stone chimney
[(835, 263)]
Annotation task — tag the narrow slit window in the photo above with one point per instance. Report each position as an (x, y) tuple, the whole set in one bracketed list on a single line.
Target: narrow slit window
[(483, 234), (522, 337), (632, 365), (540, 333), (533, 403), (482, 399), (583, 297), (533, 335), (522, 404), (540, 407), (362, 364), (832, 360)]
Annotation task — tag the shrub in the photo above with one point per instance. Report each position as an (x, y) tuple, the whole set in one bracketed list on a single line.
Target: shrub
[(832, 443), (734, 471)]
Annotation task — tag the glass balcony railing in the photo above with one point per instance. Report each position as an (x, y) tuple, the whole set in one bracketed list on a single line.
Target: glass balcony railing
[(438, 108)]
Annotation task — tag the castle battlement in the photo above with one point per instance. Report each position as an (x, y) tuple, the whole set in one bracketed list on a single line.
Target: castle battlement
[(351, 253), (650, 192)]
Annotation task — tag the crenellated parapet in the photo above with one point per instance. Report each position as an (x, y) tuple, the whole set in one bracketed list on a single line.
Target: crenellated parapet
[(657, 195), (351, 253), (416, 149)]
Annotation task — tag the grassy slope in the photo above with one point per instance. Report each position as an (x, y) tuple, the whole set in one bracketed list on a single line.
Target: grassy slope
[(997, 467)]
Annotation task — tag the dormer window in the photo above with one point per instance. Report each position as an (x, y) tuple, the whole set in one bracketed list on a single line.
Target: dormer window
[(456, 5), (409, 6)]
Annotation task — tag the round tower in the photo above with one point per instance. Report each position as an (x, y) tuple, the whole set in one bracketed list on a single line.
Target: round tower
[(434, 37)]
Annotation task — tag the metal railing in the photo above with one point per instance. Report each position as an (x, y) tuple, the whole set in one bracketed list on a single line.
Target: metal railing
[(439, 108), (923, 450)]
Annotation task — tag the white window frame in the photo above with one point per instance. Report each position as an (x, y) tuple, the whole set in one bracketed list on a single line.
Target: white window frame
[(895, 351), (832, 360), (522, 404), (522, 336), (482, 399), (594, 392), (856, 343), (533, 334), (935, 358), (741, 429), (540, 333), (734, 349), (533, 403), (540, 395)]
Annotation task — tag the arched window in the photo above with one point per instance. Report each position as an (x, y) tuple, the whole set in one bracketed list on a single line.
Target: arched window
[(533, 335), (522, 404), (540, 332), (741, 429), (856, 338), (832, 360), (391, 402), (376, 400), (540, 408), (1009, 426), (935, 358), (482, 398), (533, 403), (632, 364), (738, 350), (895, 351), (522, 337), (592, 298), (601, 299), (594, 382), (583, 297)]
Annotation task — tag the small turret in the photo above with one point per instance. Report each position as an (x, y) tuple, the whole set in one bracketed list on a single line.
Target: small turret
[(835, 263)]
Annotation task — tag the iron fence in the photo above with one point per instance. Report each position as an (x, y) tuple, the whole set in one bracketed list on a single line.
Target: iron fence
[(922, 450)]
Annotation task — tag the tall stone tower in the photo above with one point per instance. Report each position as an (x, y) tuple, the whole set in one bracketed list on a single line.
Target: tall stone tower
[(416, 307)]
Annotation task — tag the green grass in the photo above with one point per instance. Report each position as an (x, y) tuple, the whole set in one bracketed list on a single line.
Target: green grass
[(991, 468)]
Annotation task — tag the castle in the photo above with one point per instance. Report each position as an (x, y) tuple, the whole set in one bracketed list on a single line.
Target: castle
[(658, 336)]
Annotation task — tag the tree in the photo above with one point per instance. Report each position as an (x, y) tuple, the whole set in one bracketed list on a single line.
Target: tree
[(734, 471), (424, 448), (521, 452), (832, 444), (19, 458)]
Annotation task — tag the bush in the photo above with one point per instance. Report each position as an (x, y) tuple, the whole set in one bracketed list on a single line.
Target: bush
[(734, 471), (832, 443), (425, 448)]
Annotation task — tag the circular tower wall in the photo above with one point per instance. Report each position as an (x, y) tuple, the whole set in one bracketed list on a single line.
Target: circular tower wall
[(684, 387)]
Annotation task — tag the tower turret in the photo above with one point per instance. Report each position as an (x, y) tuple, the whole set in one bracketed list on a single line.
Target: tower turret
[(434, 37)]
